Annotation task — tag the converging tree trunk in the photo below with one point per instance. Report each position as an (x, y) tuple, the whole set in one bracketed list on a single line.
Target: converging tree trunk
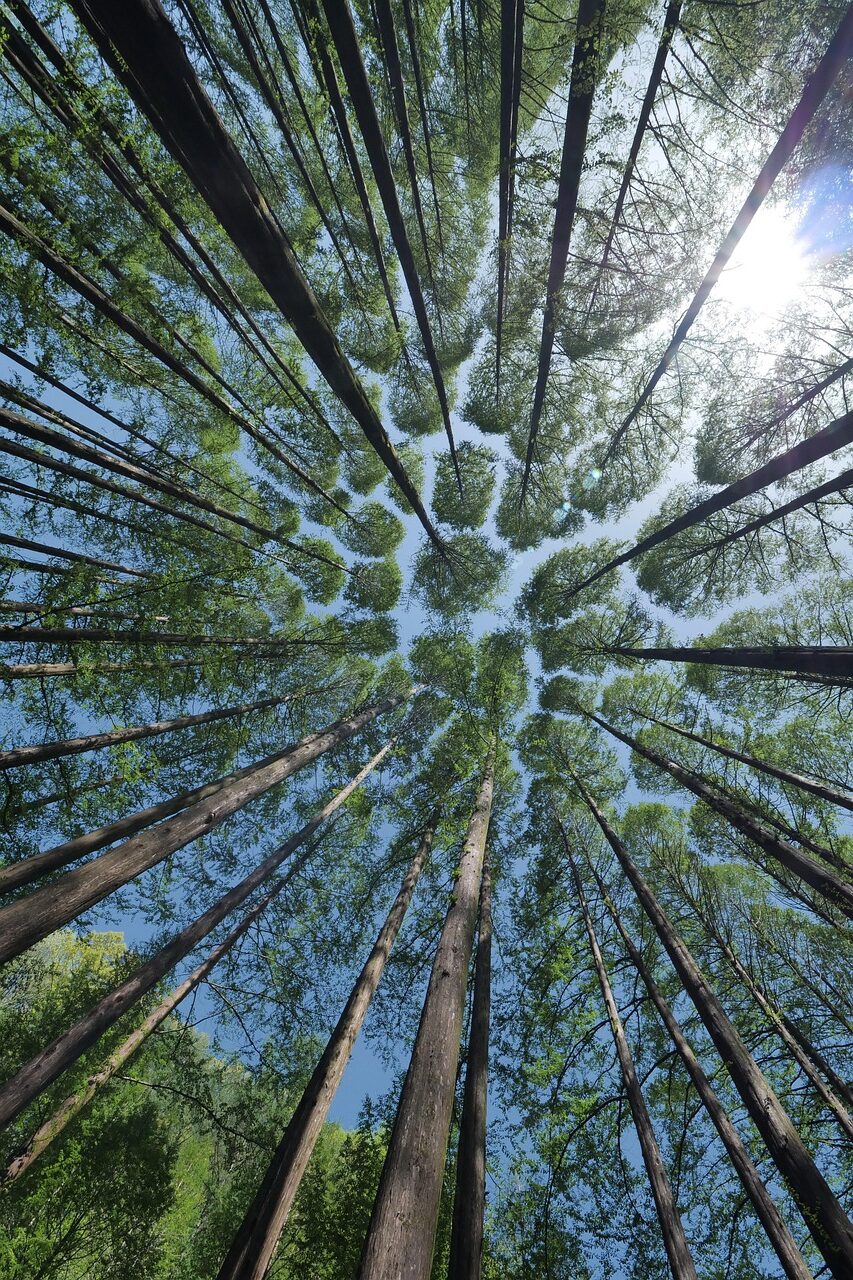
[(827, 1223), (469, 1202), (256, 1240), (839, 892), (29, 919), (401, 1236), (43, 1069), (672, 1230), (784, 1245)]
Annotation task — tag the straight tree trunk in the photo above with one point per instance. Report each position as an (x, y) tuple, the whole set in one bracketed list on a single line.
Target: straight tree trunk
[(54, 1126), (827, 1223), (832, 794), (835, 436), (346, 44), (37, 670), (469, 1203), (96, 741), (257, 1239), (675, 1242), (816, 89), (783, 1243), (401, 1236), (146, 54), (507, 65), (581, 91), (826, 660), (61, 1053), (26, 921), (26, 544), (671, 19), (839, 892)]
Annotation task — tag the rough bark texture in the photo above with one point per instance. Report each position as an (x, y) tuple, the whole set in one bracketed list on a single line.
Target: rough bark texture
[(825, 660), (26, 921), (784, 1245), (401, 1236), (675, 1242), (44, 1068), (839, 892), (257, 1239), (469, 1203), (829, 1226), (145, 53)]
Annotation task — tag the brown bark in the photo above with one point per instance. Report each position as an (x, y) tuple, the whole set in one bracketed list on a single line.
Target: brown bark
[(26, 544), (822, 789), (44, 1068), (256, 1240), (469, 1202), (36, 670), (822, 660), (784, 1245), (677, 1249), (829, 1226), (146, 54), (839, 892), (29, 919), (401, 1236), (96, 741)]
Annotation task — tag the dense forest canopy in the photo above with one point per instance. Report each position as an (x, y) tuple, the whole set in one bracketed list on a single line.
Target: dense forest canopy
[(427, 617)]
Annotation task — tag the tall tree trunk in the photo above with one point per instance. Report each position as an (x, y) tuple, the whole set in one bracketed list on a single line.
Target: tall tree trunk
[(784, 1245), (37, 670), (26, 544), (96, 741), (581, 91), (346, 44), (838, 434), (829, 1226), (401, 1236), (827, 660), (817, 86), (44, 1068), (29, 919), (507, 66), (839, 892), (469, 1202), (146, 54), (677, 1249), (256, 1240), (671, 19), (821, 789)]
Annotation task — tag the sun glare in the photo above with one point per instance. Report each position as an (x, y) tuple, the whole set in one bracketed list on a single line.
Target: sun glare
[(769, 266)]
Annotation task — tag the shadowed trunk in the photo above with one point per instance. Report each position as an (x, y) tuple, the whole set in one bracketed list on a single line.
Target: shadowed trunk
[(401, 1236), (256, 1241), (827, 1223), (29, 919), (44, 1068), (469, 1203), (821, 660)]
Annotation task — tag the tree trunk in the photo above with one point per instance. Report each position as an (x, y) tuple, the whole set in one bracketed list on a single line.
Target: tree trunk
[(822, 789), (838, 434), (469, 1203), (146, 54), (43, 1069), (670, 26), (29, 919), (37, 670), (401, 1236), (677, 1249), (256, 1241), (826, 660), (839, 892), (349, 54), (581, 91), (816, 89), (784, 1245), (25, 544), (829, 1226)]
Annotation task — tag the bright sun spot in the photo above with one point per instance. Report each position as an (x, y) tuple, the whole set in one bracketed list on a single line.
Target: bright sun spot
[(768, 267)]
